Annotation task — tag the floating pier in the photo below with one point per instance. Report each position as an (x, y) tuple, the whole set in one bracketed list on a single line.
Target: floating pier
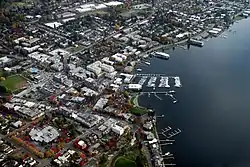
[(164, 144), (169, 158), (157, 96), (166, 129), (166, 93), (160, 116), (170, 164), (174, 133), (166, 140), (172, 96)]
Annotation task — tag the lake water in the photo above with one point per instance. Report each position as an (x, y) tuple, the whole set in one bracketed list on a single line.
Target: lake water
[(213, 108)]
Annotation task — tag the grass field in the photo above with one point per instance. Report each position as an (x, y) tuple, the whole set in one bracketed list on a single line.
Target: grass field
[(14, 82), (138, 110), (124, 162)]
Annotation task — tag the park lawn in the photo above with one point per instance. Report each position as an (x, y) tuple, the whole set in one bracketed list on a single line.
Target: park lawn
[(13, 82), (132, 100), (124, 162), (138, 110)]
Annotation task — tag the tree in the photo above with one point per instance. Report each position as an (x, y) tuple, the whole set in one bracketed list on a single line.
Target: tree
[(138, 161), (3, 89), (103, 159), (48, 154), (60, 145)]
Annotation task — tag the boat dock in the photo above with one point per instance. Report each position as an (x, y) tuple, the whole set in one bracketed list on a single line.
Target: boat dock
[(157, 97), (166, 129), (164, 144), (160, 116), (170, 164), (168, 158), (160, 150), (172, 96), (166, 140), (174, 133), (163, 92)]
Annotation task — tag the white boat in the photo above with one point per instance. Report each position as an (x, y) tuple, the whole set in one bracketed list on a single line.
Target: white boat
[(172, 91), (161, 55), (147, 63), (196, 42), (138, 69)]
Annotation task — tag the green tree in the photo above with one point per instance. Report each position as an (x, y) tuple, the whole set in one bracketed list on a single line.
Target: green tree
[(103, 159)]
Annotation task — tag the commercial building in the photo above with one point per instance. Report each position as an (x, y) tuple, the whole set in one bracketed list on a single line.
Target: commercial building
[(86, 119), (63, 79), (4, 61), (47, 134), (117, 129), (94, 68), (88, 92), (107, 68), (100, 104)]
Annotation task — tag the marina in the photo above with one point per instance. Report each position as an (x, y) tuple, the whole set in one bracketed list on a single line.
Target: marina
[(167, 157), (164, 81)]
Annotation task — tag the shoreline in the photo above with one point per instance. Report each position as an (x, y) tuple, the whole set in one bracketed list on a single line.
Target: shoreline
[(154, 119), (168, 46)]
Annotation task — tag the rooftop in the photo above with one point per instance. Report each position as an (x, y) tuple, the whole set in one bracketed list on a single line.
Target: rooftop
[(46, 135)]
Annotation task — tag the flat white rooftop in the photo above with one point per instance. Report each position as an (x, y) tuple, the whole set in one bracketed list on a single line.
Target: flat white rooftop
[(53, 24)]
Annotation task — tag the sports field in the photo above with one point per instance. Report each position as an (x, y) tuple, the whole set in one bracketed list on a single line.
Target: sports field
[(14, 82)]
